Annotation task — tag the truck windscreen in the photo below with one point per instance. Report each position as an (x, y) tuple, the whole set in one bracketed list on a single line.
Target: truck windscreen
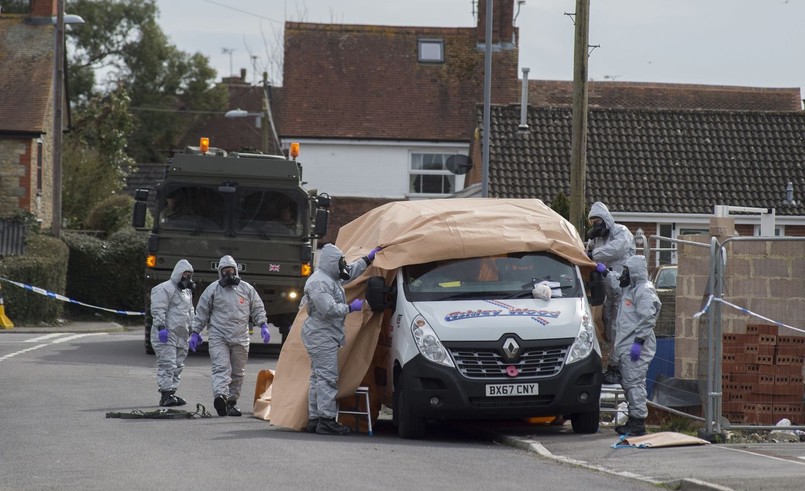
[(241, 210)]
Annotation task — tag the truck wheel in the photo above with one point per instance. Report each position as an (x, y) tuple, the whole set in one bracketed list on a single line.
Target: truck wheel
[(586, 422), (149, 350), (409, 425)]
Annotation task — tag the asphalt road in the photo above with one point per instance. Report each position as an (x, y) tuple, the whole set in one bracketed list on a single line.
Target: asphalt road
[(57, 386)]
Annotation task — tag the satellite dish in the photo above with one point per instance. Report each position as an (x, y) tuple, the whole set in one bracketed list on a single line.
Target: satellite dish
[(459, 164)]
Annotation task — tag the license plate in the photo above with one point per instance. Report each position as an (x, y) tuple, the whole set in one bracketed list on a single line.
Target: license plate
[(241, 266), (506, 390)]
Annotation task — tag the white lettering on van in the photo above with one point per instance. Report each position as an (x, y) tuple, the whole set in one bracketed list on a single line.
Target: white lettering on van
[(470, 314)]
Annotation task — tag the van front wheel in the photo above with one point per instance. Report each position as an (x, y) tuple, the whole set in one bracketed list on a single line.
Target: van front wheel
[(586, 422), (409, 425)]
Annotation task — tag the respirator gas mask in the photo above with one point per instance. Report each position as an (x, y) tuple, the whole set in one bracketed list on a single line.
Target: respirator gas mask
[(625, 279), (229, 279), (598, 229), (186, 283), (343, 269)]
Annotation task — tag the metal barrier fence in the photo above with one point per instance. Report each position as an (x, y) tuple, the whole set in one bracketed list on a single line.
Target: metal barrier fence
[(764, 371)]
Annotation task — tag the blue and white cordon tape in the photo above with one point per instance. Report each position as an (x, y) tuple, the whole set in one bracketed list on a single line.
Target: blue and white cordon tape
[(745, 311), (55, 295)]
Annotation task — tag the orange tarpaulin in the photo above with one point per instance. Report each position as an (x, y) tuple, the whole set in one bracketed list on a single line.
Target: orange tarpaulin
[(413, 232)]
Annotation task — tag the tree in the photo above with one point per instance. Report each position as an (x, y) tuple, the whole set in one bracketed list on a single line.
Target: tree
[(95, 163), (121, 47)]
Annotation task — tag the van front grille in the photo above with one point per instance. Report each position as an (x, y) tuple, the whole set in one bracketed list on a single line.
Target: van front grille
[(490, 364)]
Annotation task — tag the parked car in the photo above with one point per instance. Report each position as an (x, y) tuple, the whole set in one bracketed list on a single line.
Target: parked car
[(664, 277)]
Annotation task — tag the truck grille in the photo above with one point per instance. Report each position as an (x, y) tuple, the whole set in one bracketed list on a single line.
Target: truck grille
[(490, 364)]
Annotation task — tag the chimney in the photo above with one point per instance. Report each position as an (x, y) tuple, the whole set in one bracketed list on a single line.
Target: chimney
[(502, 21), (44, 8)]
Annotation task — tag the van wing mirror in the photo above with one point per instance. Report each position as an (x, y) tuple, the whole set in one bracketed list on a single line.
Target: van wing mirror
[(379, 296), (597, 292)]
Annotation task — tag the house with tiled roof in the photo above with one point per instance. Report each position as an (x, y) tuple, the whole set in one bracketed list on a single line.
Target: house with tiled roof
[(26, 110), (659, 170), (379, 109), (240, 133)]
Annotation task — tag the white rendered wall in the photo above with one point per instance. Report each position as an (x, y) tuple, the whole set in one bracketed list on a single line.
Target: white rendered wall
[(363, 168)]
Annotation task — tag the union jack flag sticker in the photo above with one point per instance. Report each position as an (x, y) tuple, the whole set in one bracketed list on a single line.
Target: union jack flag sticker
[(274, 267)]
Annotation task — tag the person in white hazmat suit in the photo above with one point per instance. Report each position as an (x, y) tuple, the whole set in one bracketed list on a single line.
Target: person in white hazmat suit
[(323, 332), (612, 244), (635, 343), (224, 309), (171, 314)]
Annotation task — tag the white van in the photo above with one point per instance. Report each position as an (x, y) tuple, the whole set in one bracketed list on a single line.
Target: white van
[(469, 340)]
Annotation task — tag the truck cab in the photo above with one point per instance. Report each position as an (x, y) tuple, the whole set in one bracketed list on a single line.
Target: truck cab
[(250, 206)]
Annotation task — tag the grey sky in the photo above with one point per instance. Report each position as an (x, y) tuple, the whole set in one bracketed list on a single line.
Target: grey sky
[(759, 43)]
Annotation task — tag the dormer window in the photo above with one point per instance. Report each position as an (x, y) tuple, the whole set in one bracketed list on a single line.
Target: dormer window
[(431, 51)]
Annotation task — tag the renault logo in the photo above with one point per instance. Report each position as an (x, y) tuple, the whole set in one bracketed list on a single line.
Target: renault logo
[(510, 348)]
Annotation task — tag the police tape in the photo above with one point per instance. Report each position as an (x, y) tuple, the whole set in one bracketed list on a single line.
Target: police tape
[(745, 311), (55, 295)]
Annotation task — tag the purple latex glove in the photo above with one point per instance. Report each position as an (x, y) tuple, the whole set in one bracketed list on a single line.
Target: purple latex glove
[(195, 341), (163, 335), (264, 332), (372, 253), (601, 267), (634, 353), (355, 305)]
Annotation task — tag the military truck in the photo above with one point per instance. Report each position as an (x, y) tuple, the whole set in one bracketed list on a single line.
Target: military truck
[(251, 206)]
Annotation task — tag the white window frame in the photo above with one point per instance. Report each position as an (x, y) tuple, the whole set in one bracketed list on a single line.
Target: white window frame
[(413, 173), (424, 48)]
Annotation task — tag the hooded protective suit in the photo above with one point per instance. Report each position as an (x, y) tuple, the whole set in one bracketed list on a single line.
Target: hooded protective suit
[(171, 309), (613, 250), (637, 316), (323, 330), (225, 312)]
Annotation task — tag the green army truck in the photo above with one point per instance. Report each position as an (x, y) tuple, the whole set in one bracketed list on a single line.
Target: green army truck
[(250, 206)]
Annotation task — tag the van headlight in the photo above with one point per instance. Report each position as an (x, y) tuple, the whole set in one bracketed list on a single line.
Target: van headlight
[(428, 344), (585, 340)]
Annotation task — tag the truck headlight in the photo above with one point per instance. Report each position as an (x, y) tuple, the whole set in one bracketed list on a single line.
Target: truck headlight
[(585, 340), (428, 343)]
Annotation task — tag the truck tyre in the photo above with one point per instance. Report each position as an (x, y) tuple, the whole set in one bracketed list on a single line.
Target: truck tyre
[(586, 422), (409, 425), (149, 350)]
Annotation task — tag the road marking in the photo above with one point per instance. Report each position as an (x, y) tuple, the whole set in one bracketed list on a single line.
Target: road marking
[(760, 455), (46, 336), (5, 357), (55, 341), (76, 336)]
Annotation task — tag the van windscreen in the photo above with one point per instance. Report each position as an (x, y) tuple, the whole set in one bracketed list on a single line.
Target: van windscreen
[(505, 276)]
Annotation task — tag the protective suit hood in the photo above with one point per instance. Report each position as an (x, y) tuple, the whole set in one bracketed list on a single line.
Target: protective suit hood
[(638, 270), (227, 262), (328, 260), (599, 209), (181, 266)]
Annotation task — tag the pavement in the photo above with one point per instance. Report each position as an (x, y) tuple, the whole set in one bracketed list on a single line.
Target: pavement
[(737, 467)]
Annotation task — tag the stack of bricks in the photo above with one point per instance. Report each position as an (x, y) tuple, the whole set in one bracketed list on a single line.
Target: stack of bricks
[(762, 377)]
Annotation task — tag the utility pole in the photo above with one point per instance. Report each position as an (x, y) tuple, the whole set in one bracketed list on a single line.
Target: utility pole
[(58, 103), (578, 159), (487, 100)]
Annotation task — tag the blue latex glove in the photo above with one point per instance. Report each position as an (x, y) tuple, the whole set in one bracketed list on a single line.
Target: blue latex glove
[(264, 332), (601, 268), (372, 253), (356, 304), (163, 335), (195, 341), (634, 353)]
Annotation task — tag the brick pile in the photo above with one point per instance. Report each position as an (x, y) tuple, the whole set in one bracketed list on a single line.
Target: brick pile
[(762, 376)]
